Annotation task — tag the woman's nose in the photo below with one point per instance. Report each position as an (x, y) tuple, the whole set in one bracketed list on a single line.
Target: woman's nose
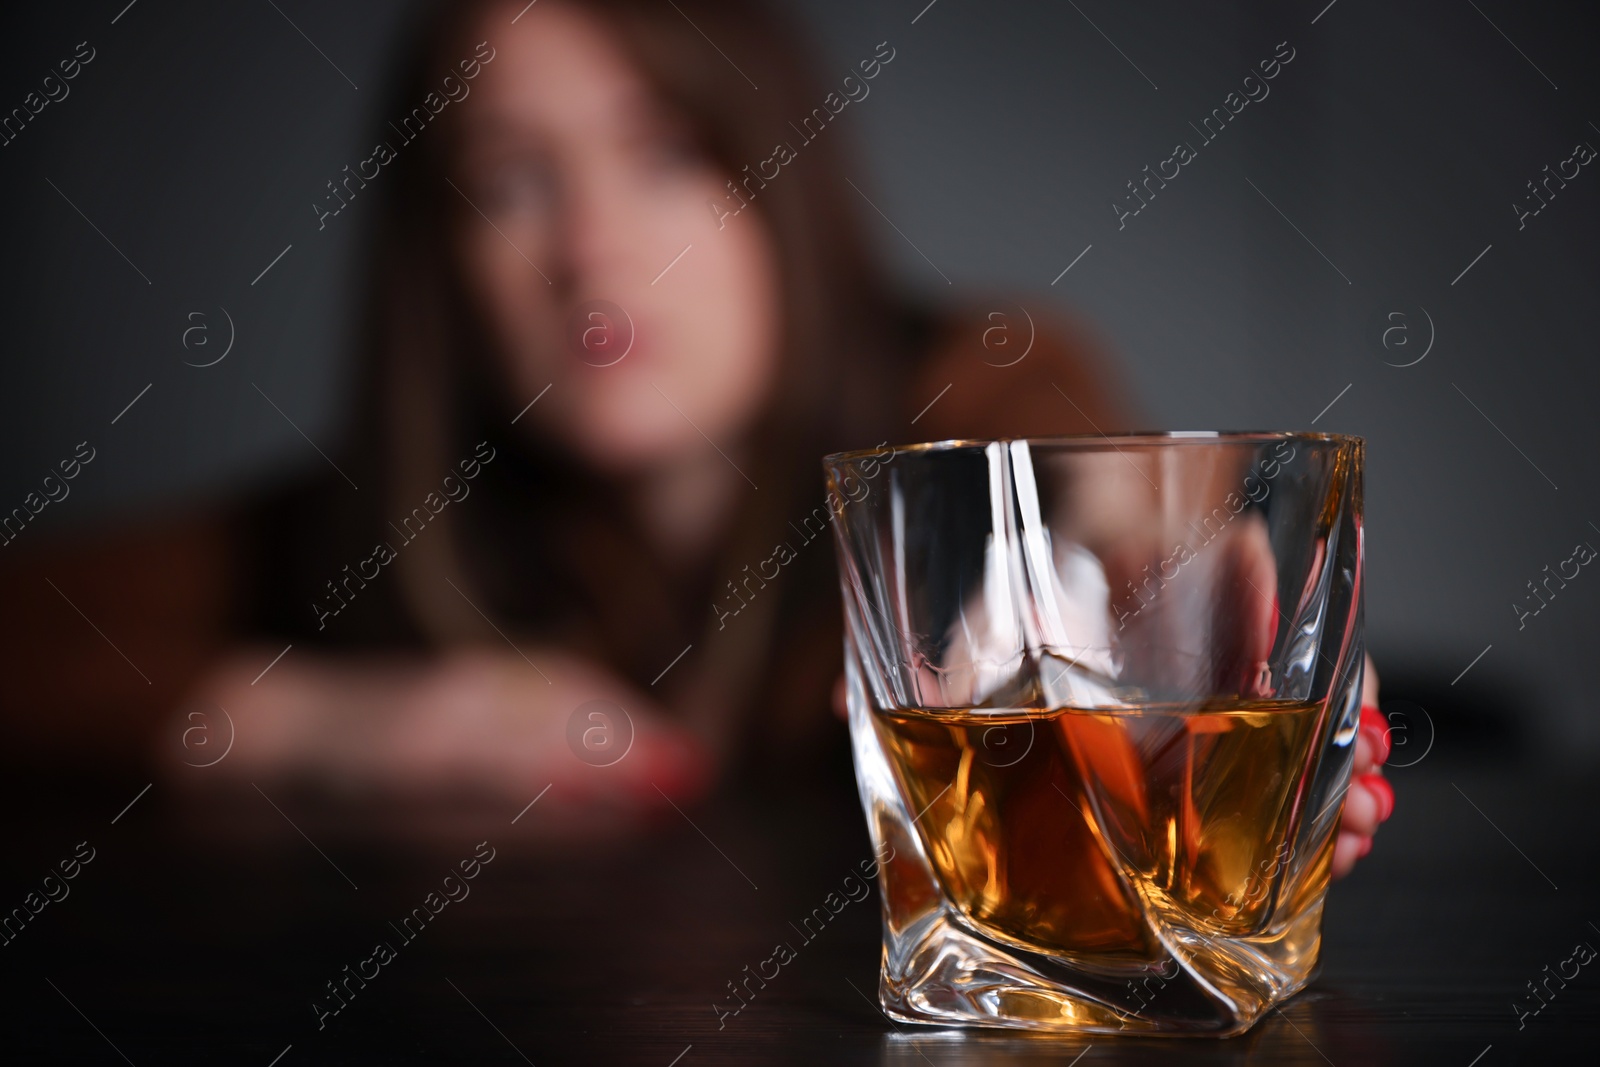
[(601, 236)]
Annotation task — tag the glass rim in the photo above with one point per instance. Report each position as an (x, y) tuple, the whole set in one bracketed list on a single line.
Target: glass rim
[(1088, 440)]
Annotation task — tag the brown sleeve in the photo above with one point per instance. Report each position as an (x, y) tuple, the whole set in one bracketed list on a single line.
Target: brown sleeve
[(104, 634), (1058, 384)]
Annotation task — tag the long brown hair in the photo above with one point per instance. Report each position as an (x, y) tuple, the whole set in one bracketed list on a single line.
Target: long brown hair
[(544, 550)]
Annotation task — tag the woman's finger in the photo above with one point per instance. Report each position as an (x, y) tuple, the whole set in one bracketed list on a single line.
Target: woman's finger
[(1372, 741), (1349, 848), (1370, 799), (1367, 804)]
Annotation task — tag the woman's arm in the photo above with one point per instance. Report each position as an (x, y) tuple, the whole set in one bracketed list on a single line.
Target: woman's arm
[(491, 723), (119, 650)]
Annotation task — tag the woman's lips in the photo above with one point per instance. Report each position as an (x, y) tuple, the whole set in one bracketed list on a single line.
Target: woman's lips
[(602, 333)]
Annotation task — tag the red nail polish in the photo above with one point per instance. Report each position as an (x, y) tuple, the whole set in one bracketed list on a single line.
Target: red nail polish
[(1382, 791)]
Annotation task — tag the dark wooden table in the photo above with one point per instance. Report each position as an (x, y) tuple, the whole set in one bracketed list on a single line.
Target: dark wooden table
[(203, 931)]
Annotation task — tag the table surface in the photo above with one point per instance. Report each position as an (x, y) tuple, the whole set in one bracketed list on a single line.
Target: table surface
[(204, 929)]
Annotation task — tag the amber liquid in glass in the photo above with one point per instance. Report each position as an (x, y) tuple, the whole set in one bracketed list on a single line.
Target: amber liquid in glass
[(1047, 826)]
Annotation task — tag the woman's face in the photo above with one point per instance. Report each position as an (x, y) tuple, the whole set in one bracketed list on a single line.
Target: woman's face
[(585, 239)]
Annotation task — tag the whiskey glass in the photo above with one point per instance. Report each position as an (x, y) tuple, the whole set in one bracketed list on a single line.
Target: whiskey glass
[(1103, 697)]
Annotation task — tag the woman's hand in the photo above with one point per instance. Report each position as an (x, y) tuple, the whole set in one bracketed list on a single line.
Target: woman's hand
[(1371, 799), (473, 722)]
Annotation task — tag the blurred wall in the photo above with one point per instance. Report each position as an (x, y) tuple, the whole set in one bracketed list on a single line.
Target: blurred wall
[(1359, 214)]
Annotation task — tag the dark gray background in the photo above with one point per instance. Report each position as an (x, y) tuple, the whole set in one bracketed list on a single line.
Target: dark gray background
[(1396, 142)]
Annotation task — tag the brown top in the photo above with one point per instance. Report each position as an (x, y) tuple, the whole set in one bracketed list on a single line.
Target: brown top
[(108, 629)]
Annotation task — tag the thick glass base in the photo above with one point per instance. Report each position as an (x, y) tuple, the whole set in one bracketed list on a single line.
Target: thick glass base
[(938, 972)]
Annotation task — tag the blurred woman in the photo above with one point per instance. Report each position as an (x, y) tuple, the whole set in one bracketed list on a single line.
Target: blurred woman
[(621, 305)]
